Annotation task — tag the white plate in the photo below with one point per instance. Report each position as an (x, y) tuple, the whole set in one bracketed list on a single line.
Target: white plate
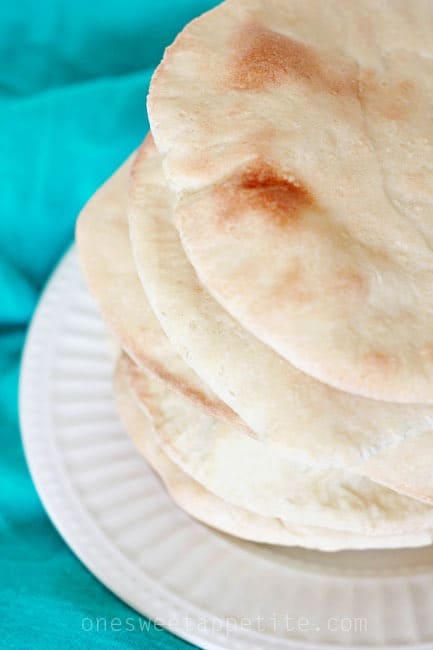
[(208, 588)]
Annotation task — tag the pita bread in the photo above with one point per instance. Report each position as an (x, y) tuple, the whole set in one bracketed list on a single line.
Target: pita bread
[(406, 468), (254, 476), (308, 420), (104, 249), (210, 509), (298, 138), (206, 507)]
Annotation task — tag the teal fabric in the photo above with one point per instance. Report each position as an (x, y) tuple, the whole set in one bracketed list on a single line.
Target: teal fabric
[(73, 81)]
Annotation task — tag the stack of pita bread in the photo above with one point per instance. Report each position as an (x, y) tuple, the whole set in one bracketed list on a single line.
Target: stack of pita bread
[(265, 262)]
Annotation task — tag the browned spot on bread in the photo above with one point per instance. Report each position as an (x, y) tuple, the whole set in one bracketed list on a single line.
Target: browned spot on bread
[(399, 101), (264, 59), (351, 284), (261, 188), (215, 407), (391, 100), (378, 362), (293, 284), (427, 352)]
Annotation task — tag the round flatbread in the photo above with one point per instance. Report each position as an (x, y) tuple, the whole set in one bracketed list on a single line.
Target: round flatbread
[(298, 138), (104, 249), (210, 509), (311, 421), (254, 476)]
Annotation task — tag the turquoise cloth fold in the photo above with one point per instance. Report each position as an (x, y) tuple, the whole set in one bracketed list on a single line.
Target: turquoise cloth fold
[(73, 81)]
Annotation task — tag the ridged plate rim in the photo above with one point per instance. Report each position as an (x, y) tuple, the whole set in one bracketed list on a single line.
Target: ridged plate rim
[(108, 562)]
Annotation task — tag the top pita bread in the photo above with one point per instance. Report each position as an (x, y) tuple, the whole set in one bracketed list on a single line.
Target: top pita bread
[(298, 136)]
